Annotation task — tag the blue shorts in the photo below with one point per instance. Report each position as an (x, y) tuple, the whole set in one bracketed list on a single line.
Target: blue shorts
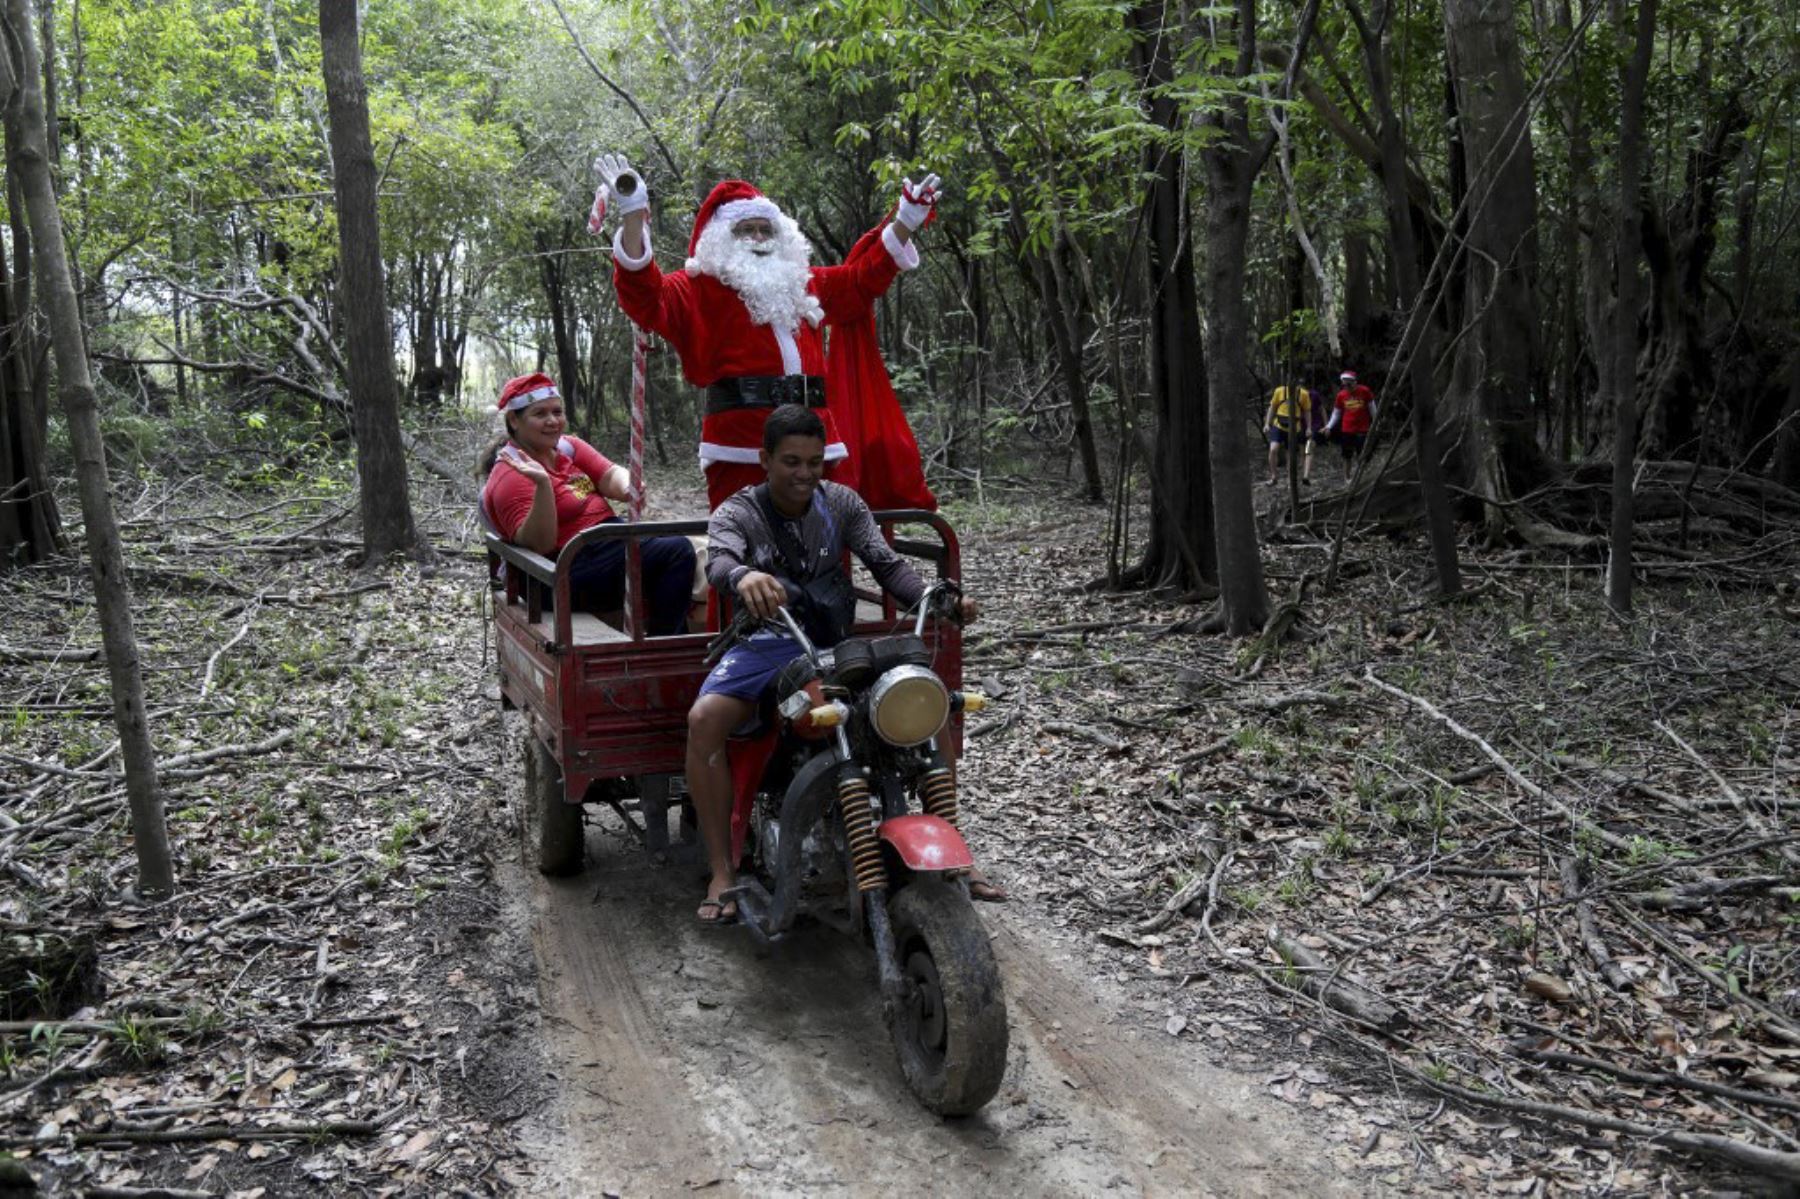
[(750, 666)]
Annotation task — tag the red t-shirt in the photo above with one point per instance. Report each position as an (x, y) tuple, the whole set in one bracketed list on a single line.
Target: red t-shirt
[(1353, 407), (575, 480)]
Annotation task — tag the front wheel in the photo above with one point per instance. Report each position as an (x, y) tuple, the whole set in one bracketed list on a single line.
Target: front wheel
[(950, 1032)]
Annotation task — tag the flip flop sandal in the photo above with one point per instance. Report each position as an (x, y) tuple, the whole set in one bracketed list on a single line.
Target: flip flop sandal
[(988, 891), (719, 914)]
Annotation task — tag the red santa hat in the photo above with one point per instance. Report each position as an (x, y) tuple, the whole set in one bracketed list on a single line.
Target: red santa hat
[(731, 201), (1347, 377), (526, 390)]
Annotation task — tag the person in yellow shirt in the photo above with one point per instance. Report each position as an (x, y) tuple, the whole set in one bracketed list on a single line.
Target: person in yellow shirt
[(1289, 418)]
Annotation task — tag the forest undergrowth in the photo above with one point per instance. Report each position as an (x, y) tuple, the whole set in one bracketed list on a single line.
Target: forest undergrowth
[(1508, 865), (1509, 856), (334, 999)]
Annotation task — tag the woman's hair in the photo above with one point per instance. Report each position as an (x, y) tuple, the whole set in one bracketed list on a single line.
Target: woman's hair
[(484, 461)]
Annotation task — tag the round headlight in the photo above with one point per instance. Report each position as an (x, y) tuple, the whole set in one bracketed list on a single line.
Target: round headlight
[(908, 705)]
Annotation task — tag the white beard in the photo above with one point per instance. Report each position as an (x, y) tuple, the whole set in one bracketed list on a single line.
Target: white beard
[(772, 285)]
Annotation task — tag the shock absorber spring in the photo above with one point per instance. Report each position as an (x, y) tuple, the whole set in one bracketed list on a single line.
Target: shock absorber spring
[(937, 794), (859, 832)]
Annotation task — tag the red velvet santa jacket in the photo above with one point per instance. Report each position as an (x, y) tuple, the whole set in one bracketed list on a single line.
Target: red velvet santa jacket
[(711, 330)]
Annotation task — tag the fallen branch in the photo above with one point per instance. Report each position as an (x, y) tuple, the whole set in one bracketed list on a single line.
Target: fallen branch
[(214, 1132), (1693, 896), (1615, 975), (1660, 1078), (1512, 772), (1335, 989), (1179, 902), (212, 663), (20, 653), (1085, 733), (1777, 1024), (1770, 1163), (1751, 816), (1207, 751), (267, 745), (1438, 862), (1294, 699), (96, 1049)]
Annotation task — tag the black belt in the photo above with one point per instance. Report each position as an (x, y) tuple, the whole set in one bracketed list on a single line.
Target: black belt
[(765, 391)]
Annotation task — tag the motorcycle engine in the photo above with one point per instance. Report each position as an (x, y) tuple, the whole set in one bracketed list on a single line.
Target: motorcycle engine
[(820, 862)]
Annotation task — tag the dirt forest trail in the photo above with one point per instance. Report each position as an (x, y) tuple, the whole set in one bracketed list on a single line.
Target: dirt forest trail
[(688, 1060)]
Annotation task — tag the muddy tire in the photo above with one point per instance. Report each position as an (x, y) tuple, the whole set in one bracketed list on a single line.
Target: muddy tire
[(951, 1032), (551, 833)]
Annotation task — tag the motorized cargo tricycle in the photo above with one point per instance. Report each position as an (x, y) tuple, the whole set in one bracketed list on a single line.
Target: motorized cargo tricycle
[(846, 789)]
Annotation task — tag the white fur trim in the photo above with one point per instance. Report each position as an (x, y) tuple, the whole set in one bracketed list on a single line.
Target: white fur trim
[(790, 349), (711, 452), (625, 260), (904, 253), (526, 399), (733, 211)]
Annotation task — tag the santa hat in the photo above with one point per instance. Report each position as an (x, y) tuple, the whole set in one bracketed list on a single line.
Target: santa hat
[(731, 201), (526, 390), (1347, 377)]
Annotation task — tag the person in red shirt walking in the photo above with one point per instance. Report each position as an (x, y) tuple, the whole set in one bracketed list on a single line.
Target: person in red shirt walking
[(544, 486), (1350, 419)]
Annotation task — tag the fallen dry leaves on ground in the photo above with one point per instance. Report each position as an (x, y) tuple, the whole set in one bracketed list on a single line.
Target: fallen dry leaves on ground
[(1528, 868)]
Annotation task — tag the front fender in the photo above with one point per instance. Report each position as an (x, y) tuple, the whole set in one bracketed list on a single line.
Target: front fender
[(927, 843)]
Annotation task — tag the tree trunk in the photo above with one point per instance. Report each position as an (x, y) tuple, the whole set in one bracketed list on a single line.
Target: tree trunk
[(1629, 299), (1231, 163), (1422, 333), (27, 156), (1578, 313), (1787, 441), (1181, 552), (1680, 253), (375, 418), (30, 525), (1063, 298), (428, 295), (552, 273), (1498, 359)]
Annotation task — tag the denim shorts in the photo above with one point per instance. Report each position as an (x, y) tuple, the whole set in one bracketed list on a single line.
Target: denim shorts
[(750, 666)]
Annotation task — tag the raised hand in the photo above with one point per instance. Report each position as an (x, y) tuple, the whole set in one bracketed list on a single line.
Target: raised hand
[(525, 464), (918, 201), (624, 186)]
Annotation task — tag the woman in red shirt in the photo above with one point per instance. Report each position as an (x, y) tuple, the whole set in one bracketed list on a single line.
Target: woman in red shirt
[(545, 486)]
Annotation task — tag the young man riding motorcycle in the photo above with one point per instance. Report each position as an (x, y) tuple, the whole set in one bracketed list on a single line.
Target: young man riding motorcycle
[(781, 542)]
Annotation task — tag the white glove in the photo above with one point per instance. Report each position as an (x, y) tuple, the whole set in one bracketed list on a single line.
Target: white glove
[(917, 201), (622, 186)]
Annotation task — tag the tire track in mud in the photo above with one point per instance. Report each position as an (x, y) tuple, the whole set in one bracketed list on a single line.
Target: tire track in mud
[(690, 1059), (604, 1043)]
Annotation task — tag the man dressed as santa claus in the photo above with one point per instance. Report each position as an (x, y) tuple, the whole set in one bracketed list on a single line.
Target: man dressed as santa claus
[(744, 315)]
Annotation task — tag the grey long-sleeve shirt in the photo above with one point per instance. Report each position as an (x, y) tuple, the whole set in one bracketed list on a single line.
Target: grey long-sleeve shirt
[(739, 541)]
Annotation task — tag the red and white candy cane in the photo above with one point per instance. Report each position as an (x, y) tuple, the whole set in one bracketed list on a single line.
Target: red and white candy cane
[(634, 566), (640, 342)]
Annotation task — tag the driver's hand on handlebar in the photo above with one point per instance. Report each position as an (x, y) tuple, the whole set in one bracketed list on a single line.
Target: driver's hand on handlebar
[(966, 610), (762, 594)]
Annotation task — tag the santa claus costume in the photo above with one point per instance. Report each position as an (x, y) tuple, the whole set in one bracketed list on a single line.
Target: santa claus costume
[(744, 316)]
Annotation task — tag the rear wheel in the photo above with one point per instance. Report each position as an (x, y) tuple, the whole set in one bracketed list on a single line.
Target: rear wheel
[(950, 1032), (551, 831)]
